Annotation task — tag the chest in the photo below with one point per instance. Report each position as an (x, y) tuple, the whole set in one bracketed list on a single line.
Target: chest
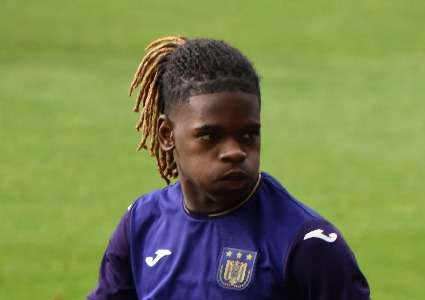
[(207, 260)]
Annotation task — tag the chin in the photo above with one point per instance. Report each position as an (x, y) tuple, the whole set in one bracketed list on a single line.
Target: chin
[(229, 188)]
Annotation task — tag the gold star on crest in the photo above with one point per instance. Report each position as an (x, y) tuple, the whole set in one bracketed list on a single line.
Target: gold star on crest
[(249, 256), (239, 255), (229, 253)]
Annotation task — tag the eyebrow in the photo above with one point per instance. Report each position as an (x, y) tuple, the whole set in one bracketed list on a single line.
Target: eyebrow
[(212, 127)]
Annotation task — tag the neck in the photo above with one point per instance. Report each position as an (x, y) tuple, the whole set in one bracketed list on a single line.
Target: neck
[(197, 202)]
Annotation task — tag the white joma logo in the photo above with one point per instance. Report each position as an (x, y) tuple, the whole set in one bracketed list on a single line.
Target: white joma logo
[(160, 253), (318, 233)]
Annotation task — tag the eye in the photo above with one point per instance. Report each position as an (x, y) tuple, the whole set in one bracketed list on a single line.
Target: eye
[(247, 136), (206, 136), (250, 135)]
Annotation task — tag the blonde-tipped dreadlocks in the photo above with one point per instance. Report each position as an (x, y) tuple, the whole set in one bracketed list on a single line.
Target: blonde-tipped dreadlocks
[(147, 75), (174, 69)]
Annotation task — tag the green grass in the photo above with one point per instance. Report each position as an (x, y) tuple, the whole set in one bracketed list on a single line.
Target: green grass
[(343, 123)]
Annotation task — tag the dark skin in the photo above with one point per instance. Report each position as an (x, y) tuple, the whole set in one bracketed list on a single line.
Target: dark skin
[(215, 139)]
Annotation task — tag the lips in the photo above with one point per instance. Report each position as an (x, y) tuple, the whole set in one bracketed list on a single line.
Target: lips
[(234, 175)]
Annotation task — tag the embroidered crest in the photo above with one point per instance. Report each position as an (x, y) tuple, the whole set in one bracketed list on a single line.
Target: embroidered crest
[(235, 268)]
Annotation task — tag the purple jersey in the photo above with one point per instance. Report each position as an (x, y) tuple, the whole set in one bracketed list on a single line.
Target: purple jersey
[(272, 247)]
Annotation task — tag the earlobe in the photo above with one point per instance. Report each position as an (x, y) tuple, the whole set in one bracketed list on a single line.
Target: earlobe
[(165, 133)]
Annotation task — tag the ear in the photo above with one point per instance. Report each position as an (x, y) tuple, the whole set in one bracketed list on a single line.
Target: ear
[(165, 133)]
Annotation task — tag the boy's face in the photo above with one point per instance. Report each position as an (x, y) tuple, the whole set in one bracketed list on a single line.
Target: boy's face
[(216, 139)]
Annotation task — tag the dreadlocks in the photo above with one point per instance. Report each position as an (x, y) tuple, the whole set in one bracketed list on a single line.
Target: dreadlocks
[(175, 69)]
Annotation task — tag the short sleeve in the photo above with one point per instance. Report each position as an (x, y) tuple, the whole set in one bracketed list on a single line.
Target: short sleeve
[(323, 267), (115, 275)]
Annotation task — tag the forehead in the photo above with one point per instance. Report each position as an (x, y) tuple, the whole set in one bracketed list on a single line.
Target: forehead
[(220, 108)]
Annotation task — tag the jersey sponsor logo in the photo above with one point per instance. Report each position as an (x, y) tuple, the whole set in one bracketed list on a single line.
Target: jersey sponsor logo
[(160, 253), (318, 233), (235, 268)]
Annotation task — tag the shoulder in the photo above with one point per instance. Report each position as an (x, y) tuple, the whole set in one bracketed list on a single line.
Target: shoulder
[(319, 239), (310, 232), (274, 190), (279, 205), (151, 210), (321, 262), (167, 198)]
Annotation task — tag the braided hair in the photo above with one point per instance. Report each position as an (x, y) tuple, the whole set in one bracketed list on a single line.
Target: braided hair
[(174, 69)]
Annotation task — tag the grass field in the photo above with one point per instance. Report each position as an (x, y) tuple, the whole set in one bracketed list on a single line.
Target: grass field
[(343, 126)]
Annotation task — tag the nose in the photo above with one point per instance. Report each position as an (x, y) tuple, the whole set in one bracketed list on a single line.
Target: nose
[(232, 152)]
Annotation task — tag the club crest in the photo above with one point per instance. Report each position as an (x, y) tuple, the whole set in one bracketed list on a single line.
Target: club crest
[(235, 268)]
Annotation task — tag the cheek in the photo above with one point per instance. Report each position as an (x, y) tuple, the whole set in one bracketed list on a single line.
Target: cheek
[(191, 157), (254, 156)]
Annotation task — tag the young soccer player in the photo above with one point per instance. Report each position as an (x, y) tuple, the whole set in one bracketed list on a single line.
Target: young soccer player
[(224, 230)]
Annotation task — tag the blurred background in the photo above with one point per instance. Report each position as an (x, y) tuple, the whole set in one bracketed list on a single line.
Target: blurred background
[(343, 125)]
